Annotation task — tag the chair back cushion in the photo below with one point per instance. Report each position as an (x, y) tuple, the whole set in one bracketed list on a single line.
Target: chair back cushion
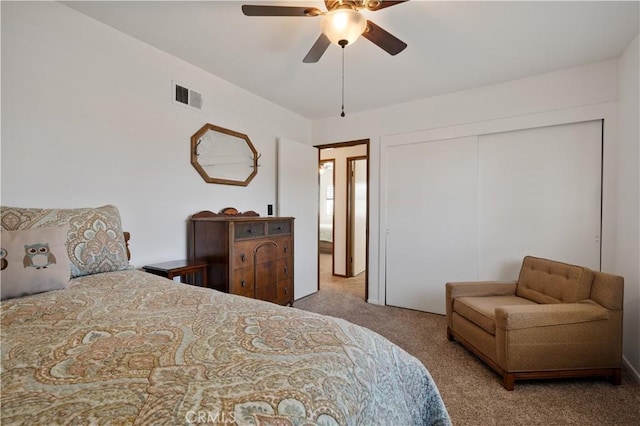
[(548, 281)]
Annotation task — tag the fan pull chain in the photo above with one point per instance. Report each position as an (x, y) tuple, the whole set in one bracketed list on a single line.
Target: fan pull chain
[(342, 43)]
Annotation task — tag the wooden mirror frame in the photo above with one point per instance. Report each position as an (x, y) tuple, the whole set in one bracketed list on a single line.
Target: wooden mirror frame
[(195, 141)]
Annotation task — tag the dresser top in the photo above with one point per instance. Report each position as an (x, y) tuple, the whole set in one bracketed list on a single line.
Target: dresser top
[(241, 219), (238, 217)]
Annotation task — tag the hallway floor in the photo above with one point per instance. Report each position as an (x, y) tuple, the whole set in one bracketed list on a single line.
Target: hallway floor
[(353, 286)]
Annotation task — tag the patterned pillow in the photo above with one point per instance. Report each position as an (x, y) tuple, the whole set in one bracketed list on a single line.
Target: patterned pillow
[(95, 242), (33, 261)]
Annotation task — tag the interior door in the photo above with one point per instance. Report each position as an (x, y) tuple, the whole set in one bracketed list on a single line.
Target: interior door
[(297, 196), (357, 208)]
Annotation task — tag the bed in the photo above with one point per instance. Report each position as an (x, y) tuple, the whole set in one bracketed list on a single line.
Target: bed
[(125, 347), (326, 238)]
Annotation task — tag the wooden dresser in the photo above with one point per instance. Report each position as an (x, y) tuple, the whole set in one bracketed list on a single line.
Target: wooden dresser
[(247, 255)]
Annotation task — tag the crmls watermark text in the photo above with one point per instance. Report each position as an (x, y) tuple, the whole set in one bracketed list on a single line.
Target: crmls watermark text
[(215, 417)]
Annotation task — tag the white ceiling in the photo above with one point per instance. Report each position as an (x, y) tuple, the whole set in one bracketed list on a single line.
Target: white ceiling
[(451, 46)]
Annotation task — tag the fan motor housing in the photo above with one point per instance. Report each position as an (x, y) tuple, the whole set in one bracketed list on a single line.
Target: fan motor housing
[(354, 4)]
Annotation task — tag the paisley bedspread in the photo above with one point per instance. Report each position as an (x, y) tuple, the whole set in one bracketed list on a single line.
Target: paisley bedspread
[(132, 348)]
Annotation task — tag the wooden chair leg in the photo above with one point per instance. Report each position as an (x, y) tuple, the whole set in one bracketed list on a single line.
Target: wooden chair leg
[(508, 381)]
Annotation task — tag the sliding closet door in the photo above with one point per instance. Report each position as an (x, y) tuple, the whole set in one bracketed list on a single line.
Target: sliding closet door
[(472, 208), (539, 193), (431, 205)]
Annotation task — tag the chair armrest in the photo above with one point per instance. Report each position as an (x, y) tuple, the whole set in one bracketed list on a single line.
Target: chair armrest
[(480, 288), (518, 317), (475, 288)]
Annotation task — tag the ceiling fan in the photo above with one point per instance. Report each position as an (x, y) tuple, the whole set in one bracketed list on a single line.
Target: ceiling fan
[(342, 24)]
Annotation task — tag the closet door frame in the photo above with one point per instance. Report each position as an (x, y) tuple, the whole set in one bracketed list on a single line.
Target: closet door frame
[(608, 112)]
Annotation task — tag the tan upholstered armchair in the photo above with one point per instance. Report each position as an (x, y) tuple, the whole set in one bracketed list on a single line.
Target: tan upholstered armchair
[(558, 320)]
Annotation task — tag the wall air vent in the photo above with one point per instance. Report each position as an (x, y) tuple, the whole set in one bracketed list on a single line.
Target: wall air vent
[(182, 95)]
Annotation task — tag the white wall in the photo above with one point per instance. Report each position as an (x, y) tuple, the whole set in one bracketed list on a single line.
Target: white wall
[(627, 259), (583, 93), (88, 120)]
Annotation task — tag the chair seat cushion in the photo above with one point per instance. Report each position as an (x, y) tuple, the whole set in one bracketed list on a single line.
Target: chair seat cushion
[(481, 310)]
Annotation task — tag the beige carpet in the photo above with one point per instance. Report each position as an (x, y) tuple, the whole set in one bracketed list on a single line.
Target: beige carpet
[(472, 392)]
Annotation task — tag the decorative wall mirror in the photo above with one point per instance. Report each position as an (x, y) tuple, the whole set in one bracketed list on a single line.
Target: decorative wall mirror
[(223, 156)]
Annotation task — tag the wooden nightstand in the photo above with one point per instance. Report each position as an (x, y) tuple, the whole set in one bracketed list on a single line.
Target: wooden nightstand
[(189, 271)]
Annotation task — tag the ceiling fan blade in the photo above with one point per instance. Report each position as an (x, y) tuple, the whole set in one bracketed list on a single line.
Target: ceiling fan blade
[(253, 10), (385, 40), (377, 5), (317, 50)]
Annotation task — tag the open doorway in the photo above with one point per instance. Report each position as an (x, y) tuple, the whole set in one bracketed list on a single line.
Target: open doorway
[(343, 237), (326, 205)]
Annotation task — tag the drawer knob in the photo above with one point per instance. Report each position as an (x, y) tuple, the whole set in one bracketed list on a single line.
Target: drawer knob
[(286, 249), (242, 257), (286, 270), (285, 290), (242, 283)]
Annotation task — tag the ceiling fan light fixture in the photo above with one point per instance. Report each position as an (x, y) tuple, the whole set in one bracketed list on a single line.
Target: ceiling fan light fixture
[(343, 24)]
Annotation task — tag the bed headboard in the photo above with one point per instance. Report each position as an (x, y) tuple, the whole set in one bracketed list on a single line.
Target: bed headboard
[(127, 237)]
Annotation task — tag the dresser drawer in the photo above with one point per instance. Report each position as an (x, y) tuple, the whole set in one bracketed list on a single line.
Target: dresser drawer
[(242, 282), (285, 291), (243, 254), (278, 228), (284, 269), (284, 247), (245, 230)]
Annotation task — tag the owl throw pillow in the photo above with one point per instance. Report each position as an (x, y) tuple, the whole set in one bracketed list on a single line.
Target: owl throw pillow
[(33, 261)]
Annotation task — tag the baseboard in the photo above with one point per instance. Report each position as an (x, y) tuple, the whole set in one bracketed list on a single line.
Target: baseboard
[(634, 373), (373, 301)]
